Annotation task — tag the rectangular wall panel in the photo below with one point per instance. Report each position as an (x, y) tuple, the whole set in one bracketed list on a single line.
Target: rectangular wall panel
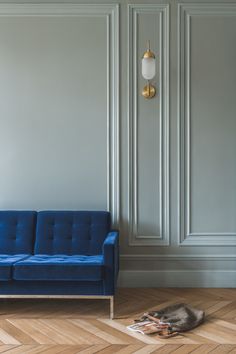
[(207, 106), (59, 105), (148, 128)]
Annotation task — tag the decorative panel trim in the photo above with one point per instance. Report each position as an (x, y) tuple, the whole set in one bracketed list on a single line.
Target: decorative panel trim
[(185, 13), (177, 257), (110, 13), (178, 278), (162, 11)]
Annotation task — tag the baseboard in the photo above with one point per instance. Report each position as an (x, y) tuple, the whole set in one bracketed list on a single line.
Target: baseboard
[(178, 278)]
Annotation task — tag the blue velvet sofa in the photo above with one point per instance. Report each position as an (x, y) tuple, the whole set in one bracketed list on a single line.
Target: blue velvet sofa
[(69, 254)]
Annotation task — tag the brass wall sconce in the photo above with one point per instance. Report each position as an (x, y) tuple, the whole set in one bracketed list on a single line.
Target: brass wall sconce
[(148, 72)]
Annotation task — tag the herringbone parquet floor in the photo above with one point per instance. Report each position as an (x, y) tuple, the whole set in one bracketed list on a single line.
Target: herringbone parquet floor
[(82, 326)]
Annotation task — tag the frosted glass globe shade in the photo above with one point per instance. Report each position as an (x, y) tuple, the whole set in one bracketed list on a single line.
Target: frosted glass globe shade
[(148, 68)]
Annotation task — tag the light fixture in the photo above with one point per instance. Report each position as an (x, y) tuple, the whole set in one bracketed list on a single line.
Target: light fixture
[(148, 72)]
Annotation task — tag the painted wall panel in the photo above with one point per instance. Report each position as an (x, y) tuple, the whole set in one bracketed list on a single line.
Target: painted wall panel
[(52, 97), (148, 134), (42, 71), (207, 116), (213, 125)]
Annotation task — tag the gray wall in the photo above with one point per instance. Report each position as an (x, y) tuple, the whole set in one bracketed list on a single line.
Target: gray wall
[(75, 133)]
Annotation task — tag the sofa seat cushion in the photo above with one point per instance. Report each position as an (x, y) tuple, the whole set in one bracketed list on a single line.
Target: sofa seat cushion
[(6, 263), (59, 267)]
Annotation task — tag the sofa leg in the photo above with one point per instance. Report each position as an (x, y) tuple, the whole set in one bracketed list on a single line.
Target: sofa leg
[(111, 307)]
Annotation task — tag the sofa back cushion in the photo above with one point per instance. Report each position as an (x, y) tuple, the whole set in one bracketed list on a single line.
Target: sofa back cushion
[(17, 231), (71, 232)]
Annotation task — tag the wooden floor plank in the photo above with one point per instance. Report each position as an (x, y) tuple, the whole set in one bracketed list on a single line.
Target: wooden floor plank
[(7, 338), (167, 348), (122, 328), (65, 349), (132, 348), (94, 349), (186, 349), (26, 326), (25, 349), (70, 326), (221, 349), (151, 348), (16, 333), (205, 349), (5, 348), (90, 327), (66, 329), (113, 348)]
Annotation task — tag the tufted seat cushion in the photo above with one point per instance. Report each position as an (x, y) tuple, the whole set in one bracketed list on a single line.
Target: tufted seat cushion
[(6, 263), (71, 232), (59, 267), (17, 231)]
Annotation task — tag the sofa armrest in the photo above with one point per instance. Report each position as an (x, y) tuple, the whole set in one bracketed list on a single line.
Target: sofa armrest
[(111, 260)]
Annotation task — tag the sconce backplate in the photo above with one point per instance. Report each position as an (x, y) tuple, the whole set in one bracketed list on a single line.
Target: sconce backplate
[(149, 91)]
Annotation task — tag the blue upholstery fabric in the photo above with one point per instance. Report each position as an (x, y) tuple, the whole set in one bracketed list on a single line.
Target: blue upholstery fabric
[(27, 287), (111, 262), (75, 253), (6, 263), (60, 267), (71, 232), (17, 229)]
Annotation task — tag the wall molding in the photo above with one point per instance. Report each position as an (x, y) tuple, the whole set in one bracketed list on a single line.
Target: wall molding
[(177, 257), (185, 14), (110, 12), (178, 278), (113, 121), (162, 11)]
